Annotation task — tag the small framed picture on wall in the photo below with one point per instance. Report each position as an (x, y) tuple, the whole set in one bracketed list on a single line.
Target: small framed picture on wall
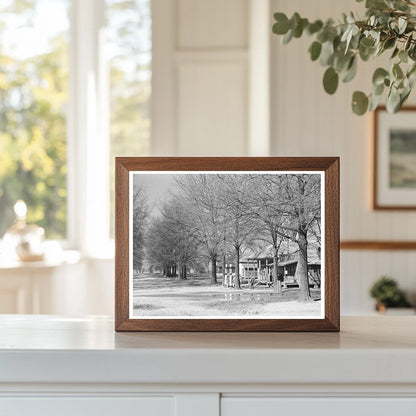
[(394, 150)]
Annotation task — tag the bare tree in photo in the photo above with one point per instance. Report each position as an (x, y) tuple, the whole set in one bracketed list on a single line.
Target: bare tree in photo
[(288, 206), (301, 204), (200, 193), (264, 199), (140, 216), (238, 221), (173, 236), (159, 248)]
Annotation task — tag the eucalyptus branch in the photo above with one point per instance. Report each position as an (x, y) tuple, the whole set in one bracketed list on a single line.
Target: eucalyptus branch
[(388, 26)]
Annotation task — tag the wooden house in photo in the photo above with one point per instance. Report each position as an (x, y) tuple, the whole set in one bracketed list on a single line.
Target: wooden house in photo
[(260, 267)]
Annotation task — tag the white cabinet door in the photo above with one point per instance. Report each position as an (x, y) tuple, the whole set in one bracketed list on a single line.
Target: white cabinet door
[(273, 406), (87, 406)]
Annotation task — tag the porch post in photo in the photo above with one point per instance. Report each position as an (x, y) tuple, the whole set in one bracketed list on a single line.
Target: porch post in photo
[(224, 268)]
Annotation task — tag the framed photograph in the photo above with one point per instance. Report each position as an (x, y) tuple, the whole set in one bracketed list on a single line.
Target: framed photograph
[(394, 179), (227, 244)]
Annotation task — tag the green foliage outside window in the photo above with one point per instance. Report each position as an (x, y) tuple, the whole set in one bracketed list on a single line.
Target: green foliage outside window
[(33, 100)]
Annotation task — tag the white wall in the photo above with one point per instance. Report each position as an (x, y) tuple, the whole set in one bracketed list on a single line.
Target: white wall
[(200, 77), (308, 122), (216, 66), (219, 77)]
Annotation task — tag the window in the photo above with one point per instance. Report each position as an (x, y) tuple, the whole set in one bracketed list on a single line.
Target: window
[(33, 101), (129, 46), (75, 87)]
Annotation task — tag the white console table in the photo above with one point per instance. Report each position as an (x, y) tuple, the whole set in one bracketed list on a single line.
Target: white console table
[(51, 365), (38, 287)]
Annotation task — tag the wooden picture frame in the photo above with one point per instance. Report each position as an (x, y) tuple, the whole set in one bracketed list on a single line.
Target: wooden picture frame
[(280, 168), (391, 174)]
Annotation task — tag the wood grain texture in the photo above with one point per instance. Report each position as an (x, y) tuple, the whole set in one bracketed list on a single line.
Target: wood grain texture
[(329, 165), (376, 205), (378, 245), (332, 225), (121, 244)]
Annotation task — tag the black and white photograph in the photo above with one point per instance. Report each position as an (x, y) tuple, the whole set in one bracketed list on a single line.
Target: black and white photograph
[(226, 245)]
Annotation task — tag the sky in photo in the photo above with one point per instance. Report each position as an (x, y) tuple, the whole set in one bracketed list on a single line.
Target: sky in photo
[(156, 186)]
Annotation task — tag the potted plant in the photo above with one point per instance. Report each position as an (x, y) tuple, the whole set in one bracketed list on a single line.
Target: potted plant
[(387, 294)]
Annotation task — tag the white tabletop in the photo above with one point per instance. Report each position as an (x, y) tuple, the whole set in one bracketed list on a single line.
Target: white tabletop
[(50, 332), (376, 349)]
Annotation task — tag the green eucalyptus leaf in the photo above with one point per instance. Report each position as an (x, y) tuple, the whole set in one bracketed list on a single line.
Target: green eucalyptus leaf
[(314, 27), (402, 22), (351, 71), (359, 103), (389, 43), (338, 44), (374, 102), (346, 34), (379, 75), (367, 42), (395, 52), (411, 78), (412, 70), (378, 89), (393, 101), (350, 18), (294, 20), (403, 56), (400, 5), (355, 41), (376, 4), (399, 85), (404, 96), (288, 37), (298, 30), (315, 50), (366, 53), (382, 19), (397, 71), (281, 27), (322, 36), (327, 54), (412, 52), (330, 80), (341, 62), (376, 35), (394, 26)]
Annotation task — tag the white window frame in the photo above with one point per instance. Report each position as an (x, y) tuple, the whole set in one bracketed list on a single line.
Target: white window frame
[(88, 138)]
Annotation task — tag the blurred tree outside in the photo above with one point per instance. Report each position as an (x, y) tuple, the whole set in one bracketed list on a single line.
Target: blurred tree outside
[(33, 100)]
